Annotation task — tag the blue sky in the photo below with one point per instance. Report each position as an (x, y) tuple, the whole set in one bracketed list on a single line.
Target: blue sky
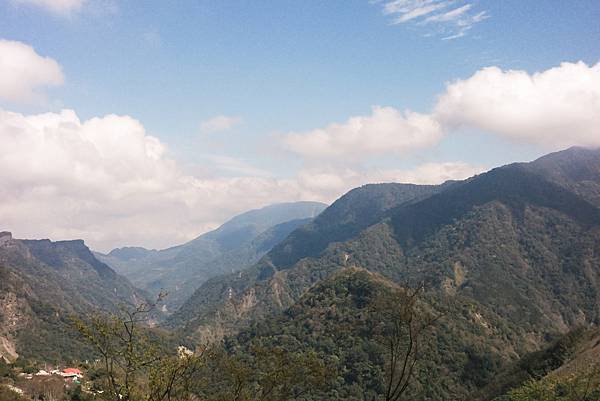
[(291, 66)]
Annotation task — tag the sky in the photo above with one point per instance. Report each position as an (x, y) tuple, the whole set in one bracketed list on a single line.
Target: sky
[(148, 123)]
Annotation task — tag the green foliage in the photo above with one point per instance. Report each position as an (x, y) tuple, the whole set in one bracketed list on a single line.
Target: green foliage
[(519, 245), (77, 394), (346, 218), (5, 369), (511, 257), (29, 369), (269, 374), (582, 386), (137, 366), (348, 319)]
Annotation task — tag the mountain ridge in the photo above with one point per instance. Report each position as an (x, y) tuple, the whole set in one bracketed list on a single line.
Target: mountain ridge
[(457, 252), (236, 244)]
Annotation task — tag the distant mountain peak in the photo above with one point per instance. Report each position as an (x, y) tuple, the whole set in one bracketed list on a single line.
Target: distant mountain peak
[(129, 252), (236, 244)]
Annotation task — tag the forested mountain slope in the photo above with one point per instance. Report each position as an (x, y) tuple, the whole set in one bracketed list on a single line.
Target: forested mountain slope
[(345, 218), (512, 240), (339, 320), (42, 285)]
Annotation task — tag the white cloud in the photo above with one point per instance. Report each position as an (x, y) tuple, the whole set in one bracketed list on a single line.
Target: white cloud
[(329, 183), (450, 15), (107, 181), (450, 18), (64, 7), (385, 131), (219, 123), (235, 166), (429, 173), (409, 14), (556, 108), (23, 72)]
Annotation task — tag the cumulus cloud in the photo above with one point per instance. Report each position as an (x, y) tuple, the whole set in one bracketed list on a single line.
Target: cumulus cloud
[(450, 18), (64, 7), (23, 72), (555, 108), (385, 130), (108, 181), (219, 123)]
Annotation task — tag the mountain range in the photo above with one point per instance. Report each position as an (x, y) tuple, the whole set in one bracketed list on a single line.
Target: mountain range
[(513, 252), (508, 261), (238, 243)]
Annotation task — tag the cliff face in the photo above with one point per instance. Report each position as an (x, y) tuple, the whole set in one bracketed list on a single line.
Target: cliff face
[(13, 318), (43, 284)]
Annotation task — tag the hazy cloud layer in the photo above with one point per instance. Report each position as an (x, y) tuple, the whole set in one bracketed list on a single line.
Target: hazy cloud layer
[(336, 181), (556, 108), (219, 123), (450, 19), (386, 130), (24, 73)]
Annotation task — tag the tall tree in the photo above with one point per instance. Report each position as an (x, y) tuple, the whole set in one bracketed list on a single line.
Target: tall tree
[(401, 325)]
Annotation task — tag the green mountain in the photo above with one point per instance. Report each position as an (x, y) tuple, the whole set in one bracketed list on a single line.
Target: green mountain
[(347, 217), (42, 285), (237, 244), (344, 219), (470, 353), (337, 320), (576, 169), (519, 244), (571, 361)]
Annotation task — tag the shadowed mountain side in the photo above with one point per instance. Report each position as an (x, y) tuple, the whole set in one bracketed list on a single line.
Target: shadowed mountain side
[(513, 186), (576, 169), (346, 217)]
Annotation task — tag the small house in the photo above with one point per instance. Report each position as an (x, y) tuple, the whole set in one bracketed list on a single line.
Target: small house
[(71, 373)]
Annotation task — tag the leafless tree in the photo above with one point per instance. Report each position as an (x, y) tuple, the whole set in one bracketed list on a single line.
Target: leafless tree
[(402, 323), (135, 366)]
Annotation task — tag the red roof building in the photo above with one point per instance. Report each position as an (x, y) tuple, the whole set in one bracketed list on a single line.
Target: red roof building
[(68, 372)]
